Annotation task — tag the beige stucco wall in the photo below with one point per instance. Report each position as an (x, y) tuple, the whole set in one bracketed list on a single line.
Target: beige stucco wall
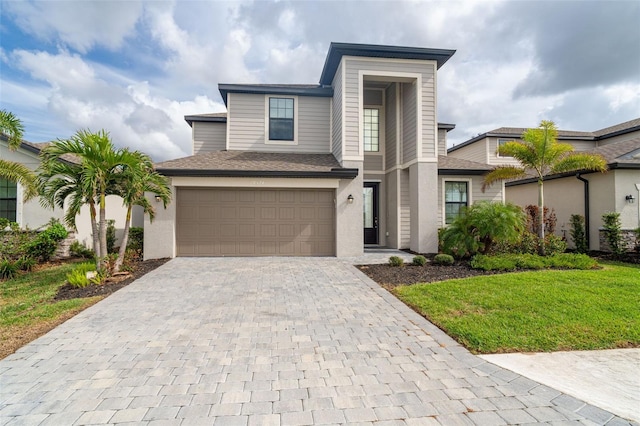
[(607, 193), (423, 188), (114, 210)]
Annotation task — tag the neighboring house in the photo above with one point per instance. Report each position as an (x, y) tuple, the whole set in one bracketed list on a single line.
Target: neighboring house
[(586, 193), (33, 216), (321, 169)]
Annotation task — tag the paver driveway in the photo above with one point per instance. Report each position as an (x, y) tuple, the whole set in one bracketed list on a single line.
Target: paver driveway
[(264, 341)]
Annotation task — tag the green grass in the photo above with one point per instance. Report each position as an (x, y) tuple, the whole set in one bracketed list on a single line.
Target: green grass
[(537, 311), (27, 308)]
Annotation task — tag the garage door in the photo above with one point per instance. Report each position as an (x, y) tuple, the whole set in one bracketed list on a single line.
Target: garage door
[(233, 222)]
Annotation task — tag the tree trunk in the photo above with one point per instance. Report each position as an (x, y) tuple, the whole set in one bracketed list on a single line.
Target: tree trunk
[(541, 250), (103, 230), (123, 243), (94, 231)]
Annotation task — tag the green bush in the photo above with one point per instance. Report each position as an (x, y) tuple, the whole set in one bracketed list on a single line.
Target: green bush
[(481, 226), (79, 250), (136, 239), (578, 233), (443, 259), (78, 276), (8, 269), (45, 243), (111, 236), (419, 260), (511, 262), (527, 243), (13, 240), (554, 244), (4, 222), (396, 261), (26, 263), (613, 231)]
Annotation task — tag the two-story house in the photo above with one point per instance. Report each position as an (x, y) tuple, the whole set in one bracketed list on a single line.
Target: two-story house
[(584, 193), (321, 169)]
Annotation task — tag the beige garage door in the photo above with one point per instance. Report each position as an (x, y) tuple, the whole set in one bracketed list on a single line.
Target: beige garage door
[(233, 222)]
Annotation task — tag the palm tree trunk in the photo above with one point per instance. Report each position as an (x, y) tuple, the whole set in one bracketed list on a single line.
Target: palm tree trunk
[(540, 218), (94, 230), (123, 243), (103, 230)]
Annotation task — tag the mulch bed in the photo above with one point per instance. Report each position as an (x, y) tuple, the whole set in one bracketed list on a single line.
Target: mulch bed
[(392, 276), (67, 291)]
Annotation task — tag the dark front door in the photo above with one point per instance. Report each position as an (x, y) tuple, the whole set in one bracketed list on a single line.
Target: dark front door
[(370, 201)]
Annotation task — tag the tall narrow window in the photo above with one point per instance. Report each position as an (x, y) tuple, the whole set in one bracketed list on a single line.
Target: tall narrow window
[(281, 119), (8, 199), (371, 130), (455, 198)]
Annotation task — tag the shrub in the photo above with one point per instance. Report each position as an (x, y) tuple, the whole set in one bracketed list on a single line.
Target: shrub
[(528, 244), (78, 276), (13, 241), (26, 263), (79, 250), (136, 239), (578, 233), (46, 242), (637, 232), (554, 244), (4, 222), (613, 231), (111, 235), (549, 219), (443, 259), (419, 260), (8, 269), (511, 262), (481, 226), (396, 261)]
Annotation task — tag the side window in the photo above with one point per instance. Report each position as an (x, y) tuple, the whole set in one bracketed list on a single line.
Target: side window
[(455, 198), (281, 119), (500, 143), (8, 199), (371, 127)]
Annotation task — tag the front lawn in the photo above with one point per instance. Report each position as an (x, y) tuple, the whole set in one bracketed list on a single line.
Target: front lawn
[(535, 311), (28, 309)]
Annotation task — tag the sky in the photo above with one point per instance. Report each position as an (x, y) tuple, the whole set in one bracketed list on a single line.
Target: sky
[(136, 68)]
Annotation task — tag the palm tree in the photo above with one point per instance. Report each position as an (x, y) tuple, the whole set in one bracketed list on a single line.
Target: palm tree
[(11, 127), (133, 182), (540, 152), (100, 164)]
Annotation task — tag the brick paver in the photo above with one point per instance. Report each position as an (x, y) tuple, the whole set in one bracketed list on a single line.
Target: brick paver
[(265, 342)]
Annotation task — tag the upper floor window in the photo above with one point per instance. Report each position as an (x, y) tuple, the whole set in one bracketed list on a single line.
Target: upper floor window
[(281, 119), (500, 143), (8, 199), (371, 130), (455, 198)]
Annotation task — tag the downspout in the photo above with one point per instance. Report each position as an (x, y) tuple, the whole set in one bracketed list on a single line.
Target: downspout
[(586, 208)]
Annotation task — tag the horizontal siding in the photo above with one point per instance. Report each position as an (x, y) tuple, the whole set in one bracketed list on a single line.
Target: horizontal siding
[(373, 162), (425, 68), (442, 142), (391, 127), (336, 122), (208, 137), (405, 210), (409, 122), (476, 151), (247, 125)]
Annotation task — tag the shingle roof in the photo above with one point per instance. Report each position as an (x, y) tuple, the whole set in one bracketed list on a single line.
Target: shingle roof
[(451, 165), (36, 148), (249, 163), (625, 127), (620, 154), (276, 89)]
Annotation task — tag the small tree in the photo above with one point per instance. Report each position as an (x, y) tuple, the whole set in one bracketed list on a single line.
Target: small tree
[(578, 233), (480, 226), (541, 154), (613, 232)]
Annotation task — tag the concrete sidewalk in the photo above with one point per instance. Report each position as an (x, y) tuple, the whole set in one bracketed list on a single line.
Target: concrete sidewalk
[(608, 379), (266, 341)]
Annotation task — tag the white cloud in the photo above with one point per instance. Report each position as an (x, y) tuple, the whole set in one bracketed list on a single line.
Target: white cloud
[(78, 24)]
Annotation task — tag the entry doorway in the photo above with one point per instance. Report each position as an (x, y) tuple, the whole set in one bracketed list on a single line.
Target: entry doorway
[(370, 199)]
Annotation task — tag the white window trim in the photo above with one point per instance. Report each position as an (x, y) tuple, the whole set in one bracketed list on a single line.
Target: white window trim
[(296, 121), (498, 146), (469, 182)]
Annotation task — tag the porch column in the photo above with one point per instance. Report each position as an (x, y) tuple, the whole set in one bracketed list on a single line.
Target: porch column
[(349, 224), (423, 191)]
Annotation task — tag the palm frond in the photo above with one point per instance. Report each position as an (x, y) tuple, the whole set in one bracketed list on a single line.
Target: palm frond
[(500, 173), (12, 127), (19, 173), (580, 161)]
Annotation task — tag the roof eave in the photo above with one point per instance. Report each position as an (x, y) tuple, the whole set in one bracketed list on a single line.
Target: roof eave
[(190, 119), (451, 172), (320, 91), (335, 173), (338, 50)]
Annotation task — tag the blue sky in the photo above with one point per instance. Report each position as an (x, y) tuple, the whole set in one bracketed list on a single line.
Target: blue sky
[(136, 68)]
